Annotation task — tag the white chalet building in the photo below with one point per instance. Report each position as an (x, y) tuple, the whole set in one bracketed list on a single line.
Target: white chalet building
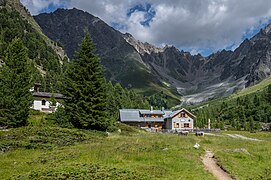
[(42, 100)]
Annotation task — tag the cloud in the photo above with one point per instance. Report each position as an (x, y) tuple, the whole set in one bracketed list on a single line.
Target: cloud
[(38, 6), (196, 25)]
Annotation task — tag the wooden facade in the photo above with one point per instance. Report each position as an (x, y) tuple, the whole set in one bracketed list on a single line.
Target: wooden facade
[(160, 119)]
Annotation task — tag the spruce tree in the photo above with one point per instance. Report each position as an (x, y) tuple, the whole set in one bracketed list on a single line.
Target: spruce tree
[(251, 124), (15, 82), (268, 94), (85, 89)]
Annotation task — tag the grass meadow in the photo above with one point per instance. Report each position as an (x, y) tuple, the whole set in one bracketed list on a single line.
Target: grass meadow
[(44, 151)]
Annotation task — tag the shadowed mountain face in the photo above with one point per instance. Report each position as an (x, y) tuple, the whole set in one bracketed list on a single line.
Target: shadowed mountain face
[(121, 61), (151, 69)]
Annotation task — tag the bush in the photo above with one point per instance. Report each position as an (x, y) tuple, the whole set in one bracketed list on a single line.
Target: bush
[(83, 171), (112, 128), (126, 129), (60, 118), (44, 137)]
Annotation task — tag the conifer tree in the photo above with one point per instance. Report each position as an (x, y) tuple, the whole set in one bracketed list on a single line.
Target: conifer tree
[(251, 124), (15, 82), (268, 94), (85, 89)]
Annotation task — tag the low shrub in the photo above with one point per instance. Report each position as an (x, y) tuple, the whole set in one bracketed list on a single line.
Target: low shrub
[(126, 129), (83, 171), (44, 137)]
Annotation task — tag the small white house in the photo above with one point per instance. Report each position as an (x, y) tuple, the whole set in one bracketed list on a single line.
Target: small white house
[(179, 120), (42, 100)]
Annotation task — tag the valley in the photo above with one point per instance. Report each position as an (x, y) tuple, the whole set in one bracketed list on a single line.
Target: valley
[(191, 78), (89, 81)]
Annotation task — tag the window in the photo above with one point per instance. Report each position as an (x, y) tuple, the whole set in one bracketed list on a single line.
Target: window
[(176, 125), (43, 102), (186, 125)]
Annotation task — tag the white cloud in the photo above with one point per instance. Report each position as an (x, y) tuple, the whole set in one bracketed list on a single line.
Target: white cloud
[(193, 24), (36, 6)]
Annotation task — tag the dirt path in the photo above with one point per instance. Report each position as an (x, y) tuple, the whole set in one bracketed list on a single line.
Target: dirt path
[(236, 136), (211, 165), (242, 137)]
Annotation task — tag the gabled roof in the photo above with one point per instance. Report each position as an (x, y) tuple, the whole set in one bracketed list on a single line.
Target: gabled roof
[(48, 95), (129, 115), (133, 115), (175, 113)]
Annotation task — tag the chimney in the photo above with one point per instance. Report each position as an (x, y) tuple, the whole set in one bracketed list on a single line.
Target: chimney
[(151, 109), (163, 109)]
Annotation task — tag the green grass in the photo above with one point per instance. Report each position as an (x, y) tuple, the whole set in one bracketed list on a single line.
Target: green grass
[(141, 153), (253, 89), (252, 162), (132, 154)]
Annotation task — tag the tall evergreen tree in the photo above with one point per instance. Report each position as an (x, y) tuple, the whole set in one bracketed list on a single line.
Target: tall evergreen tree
[(15, 82), (251, 124), (268, 94), (85, 89)]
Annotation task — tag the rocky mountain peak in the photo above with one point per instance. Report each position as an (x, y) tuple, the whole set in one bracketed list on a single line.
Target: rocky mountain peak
[(267, 29), (141, 47)]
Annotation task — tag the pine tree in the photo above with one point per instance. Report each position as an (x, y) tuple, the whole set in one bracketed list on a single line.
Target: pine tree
[(233, 123), (85, 89), (251, 124), (15, 82), (112, 104), (268, 94)]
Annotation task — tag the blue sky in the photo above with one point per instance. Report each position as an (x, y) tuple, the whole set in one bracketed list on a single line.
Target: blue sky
[(196, 26), (149, 13), (52, 7)]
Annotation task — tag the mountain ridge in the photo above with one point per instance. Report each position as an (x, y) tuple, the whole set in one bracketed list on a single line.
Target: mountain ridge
[(195, 77), (121, 61)]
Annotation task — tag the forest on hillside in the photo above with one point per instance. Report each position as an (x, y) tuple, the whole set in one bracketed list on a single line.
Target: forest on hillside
[(251, 112), (48, 68)]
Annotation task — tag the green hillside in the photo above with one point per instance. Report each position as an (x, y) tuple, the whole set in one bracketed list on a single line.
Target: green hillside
[(252, 89), (15, 22), (247, 109)]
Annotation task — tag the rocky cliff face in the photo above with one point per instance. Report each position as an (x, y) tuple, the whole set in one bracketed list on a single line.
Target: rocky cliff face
[(136, 64)]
